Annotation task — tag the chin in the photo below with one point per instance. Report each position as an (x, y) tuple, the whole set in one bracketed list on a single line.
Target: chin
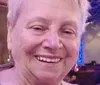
[(45, 76)]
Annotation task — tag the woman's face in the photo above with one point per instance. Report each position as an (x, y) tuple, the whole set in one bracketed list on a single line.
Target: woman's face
[(44, 42)]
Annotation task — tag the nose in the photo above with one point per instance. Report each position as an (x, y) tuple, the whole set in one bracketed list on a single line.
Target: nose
[(52, 42)]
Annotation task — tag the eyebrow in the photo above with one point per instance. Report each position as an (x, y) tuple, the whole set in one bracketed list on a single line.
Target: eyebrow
[(40, 19), (47, 21), (71, 23)]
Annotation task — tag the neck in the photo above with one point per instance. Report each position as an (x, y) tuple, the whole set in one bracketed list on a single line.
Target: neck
[(25, 77), (29, 82), (26, 81)]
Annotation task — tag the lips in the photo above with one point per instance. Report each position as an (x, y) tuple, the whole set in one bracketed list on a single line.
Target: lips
[(47, 59)]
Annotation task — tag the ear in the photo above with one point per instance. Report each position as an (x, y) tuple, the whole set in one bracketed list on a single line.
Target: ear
[(9, 39)]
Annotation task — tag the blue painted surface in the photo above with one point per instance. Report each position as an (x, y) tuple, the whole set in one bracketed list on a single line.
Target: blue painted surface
[(80, 57), (94, 11)]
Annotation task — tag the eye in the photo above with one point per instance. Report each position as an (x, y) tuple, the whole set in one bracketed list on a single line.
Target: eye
[(38, 29), (68, 32)]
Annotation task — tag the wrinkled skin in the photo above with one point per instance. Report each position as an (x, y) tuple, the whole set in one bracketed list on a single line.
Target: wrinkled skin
[(48, 28)]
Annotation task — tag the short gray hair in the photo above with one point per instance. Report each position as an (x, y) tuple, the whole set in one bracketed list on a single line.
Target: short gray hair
[(14, 5)]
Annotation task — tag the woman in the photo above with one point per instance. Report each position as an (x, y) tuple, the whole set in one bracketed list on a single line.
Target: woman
[(43, 40)]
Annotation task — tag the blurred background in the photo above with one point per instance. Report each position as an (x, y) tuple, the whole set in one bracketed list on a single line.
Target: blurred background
[(3, 32), (87, 69)]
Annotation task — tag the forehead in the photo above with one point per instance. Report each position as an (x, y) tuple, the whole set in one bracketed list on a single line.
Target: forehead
[(50, 6), (49, 9), (66, 5)]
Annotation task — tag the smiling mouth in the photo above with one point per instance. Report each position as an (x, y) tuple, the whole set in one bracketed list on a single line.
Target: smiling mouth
[(47, 59)]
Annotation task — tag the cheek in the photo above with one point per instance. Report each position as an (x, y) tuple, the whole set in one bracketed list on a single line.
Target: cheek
[(72, 55), (30, 43), (72, 49)]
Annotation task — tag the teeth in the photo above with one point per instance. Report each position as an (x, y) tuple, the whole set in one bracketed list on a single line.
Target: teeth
[(41, 58), (48, 59)]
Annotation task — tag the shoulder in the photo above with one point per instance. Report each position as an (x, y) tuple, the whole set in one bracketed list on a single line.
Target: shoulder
[(65, 83), (6, 66), (5, 75)]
